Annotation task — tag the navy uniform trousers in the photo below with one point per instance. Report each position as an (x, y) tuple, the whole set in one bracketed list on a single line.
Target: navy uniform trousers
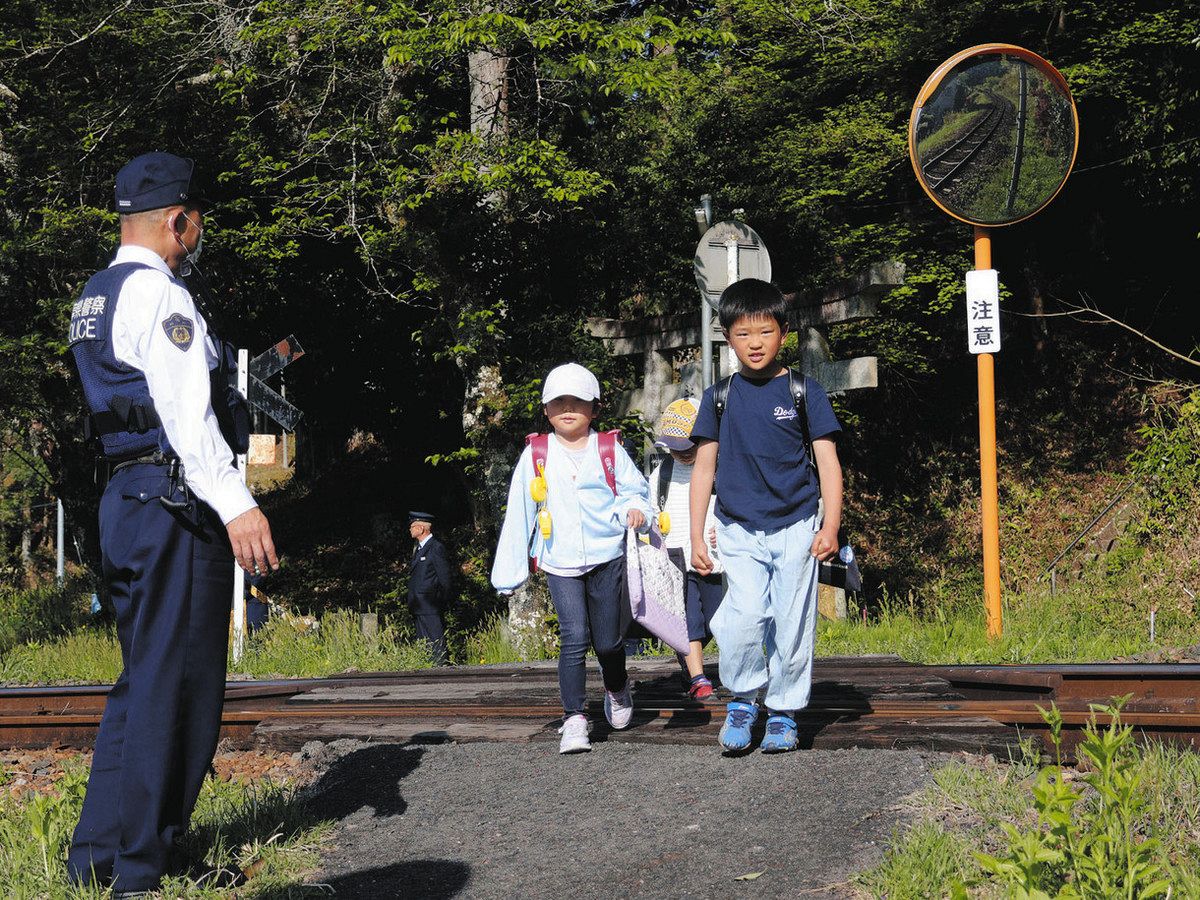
[(171, 578), (432, 630)]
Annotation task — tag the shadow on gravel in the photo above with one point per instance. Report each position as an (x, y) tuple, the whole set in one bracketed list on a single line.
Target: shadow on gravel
[(367, 777), (427, 879)]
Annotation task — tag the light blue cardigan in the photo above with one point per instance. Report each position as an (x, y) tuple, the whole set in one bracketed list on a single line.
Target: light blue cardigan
[(588, 520)]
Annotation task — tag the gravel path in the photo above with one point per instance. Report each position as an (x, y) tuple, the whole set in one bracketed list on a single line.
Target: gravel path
[(626, 820)]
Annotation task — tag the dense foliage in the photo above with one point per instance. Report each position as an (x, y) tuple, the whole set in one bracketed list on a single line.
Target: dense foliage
[(437, 253)]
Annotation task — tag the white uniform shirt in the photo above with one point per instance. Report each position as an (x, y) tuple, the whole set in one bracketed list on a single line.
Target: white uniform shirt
[(178, 378)]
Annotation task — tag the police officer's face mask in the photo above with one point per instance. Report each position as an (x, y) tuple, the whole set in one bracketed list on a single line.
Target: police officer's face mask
[(193, 256)]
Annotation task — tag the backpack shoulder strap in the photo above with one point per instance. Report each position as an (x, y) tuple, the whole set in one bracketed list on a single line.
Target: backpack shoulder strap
[(606, 443), (539, 445), (721, 396), (799, 389), (664, 480)]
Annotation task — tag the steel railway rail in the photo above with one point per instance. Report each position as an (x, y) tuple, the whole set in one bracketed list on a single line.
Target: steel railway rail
[(951, 161), (864, 702)]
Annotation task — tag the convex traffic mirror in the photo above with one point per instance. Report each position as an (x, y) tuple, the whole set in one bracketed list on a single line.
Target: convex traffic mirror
[(993, 134)]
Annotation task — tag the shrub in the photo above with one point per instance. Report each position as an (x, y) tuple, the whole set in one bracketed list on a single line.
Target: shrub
[(1099, 847), (34, 834), (42, 612)]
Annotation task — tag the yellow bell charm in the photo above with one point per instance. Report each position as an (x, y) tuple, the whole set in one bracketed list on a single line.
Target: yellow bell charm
[(544, 523), (537, 489), (664, 523)]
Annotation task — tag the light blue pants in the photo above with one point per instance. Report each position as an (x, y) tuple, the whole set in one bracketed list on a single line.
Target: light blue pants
[(770, 602)]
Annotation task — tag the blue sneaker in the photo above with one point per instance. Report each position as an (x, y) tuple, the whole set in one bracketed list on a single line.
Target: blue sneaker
[(739, 719), (781, 734)]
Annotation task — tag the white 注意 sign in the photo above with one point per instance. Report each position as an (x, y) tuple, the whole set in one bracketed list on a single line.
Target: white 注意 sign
[(983, 311)]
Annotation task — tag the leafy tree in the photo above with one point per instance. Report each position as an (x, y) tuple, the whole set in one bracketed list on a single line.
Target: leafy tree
[(434, 195)]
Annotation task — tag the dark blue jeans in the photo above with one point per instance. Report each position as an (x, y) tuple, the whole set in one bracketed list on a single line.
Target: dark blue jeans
[(589, 612)]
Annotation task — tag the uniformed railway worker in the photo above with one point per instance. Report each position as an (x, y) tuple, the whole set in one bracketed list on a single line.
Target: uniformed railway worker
[(174, 515), (429, 584)]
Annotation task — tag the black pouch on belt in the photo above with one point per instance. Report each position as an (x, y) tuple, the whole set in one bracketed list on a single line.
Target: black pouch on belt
[(161, 482)]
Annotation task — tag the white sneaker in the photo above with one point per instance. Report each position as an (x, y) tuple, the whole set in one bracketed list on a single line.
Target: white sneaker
[(574, 733), (618, 707)]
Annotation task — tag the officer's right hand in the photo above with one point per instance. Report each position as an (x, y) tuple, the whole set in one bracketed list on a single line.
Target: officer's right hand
[(250, 537), (701, 561)]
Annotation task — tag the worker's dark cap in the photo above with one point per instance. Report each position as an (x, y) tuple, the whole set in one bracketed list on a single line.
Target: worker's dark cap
[(418, 516), (155, 180)]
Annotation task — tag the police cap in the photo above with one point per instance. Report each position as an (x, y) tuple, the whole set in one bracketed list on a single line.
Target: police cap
[(154, 180), (418, 516)]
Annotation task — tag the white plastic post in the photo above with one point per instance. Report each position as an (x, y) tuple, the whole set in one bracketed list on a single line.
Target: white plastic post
[(60, 566), (239, 576)]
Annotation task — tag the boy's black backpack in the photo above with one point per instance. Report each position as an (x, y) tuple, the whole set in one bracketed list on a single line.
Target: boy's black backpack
[(796, 384)]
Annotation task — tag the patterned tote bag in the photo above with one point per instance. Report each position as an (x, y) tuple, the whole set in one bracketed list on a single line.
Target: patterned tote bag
[(656, 590)]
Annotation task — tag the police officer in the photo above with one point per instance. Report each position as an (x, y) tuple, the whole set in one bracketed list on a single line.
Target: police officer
[(174, 515), (429, 584)]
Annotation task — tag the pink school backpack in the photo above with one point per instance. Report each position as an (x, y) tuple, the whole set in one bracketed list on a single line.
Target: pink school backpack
[(606, 443)]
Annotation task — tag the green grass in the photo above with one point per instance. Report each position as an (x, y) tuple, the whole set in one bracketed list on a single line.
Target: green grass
[(265, 825), (1088, 622), (493, 643), (42, 612), (921, 864), (1072, 626), (978, 805), (984, 787), (1171, 783), (92, 656), (88, 656), (338, 645)]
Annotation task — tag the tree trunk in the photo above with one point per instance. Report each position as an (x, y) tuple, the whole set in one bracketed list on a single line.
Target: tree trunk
[(1037, 306), (487, 72)]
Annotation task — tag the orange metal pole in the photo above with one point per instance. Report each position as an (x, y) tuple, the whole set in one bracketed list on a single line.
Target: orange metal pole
[(989, 493)]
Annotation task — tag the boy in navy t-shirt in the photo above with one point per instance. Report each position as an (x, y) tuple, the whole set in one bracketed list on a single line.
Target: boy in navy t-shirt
[(768, 530)]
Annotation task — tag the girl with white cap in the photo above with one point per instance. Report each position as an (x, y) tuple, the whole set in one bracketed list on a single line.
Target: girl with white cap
[(573, 494)]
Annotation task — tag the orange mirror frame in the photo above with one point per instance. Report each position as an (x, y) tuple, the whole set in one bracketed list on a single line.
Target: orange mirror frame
[(934, 81)]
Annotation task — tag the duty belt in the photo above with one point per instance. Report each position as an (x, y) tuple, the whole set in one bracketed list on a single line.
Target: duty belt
[(155, 459)]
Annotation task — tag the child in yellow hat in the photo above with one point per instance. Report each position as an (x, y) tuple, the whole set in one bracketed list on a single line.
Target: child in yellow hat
[(669, 495)]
